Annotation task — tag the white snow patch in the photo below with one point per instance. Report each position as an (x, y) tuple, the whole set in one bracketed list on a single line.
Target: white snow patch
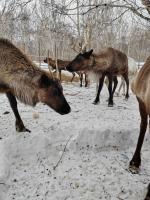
[(4, 171), (95, 163)]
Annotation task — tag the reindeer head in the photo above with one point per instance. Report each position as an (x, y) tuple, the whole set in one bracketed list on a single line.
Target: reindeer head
[(50, 92), (47, 60), (81, 62)]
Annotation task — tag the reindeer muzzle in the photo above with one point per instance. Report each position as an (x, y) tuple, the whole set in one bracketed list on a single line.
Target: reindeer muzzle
[(65, 109)]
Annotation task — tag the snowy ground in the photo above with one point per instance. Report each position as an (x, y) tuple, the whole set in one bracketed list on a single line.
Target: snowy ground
[(101, 142)]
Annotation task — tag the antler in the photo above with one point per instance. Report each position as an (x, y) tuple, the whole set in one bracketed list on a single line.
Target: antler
[(75, 47), (50, 70), (85, 42)]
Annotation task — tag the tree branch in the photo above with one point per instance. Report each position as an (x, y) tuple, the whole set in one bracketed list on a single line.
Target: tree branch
[(131, 8), (134, 9)]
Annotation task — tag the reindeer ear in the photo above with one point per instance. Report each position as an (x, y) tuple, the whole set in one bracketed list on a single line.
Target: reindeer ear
[(87, 54), (45, 60), (44, 81)]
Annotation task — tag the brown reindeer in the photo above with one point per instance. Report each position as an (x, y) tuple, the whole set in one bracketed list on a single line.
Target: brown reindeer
[(141, 88), (109, 62), (21, 79), (148, 193), (62, 66)]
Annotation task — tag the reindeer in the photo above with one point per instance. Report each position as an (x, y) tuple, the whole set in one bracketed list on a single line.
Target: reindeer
[(62, 66), (109, 62), (141, 88), (20, 78), (132, 70), (148, 193)]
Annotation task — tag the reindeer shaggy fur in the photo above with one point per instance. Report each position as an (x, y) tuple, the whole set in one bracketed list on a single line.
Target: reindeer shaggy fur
[(141, 88), (109, 62), (21, 78)]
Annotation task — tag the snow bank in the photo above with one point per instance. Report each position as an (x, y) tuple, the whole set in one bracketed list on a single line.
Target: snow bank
[(102, 138), (4, 171), (29, 147), (95, 163)]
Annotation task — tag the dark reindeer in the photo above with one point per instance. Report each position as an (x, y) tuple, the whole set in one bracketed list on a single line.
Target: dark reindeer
[(62, 66), (148, 193), (109, 62), (21, 79), (141, 88)]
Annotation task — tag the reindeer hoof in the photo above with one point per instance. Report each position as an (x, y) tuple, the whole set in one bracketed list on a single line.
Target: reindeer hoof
[(148, 193), (127, 97), (134, 169), (96, 102), (110, 104), (27, 130), (21, 128)]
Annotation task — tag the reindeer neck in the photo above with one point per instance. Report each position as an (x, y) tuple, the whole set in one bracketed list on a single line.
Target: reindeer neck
[(100, 63), (91, 63), (23, 84)]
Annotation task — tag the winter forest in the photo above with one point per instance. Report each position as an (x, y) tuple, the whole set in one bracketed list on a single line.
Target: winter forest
[(37, 26)]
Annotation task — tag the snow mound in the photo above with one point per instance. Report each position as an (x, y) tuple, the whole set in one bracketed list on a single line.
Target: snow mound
[(28, 147), (4, 171), (102, 139)]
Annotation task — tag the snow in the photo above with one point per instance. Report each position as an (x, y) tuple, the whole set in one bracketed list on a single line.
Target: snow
[(101, 142)]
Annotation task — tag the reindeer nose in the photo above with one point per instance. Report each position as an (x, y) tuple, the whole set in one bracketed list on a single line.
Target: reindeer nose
[(66, 109)]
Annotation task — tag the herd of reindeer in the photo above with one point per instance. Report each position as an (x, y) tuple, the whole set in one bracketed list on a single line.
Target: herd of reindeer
[(61, 65), (20, 78)]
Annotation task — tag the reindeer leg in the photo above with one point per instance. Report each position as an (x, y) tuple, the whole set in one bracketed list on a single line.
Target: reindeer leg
[(101, 82), (19, 123), (81, 79), (110, 100), (148, 193), (125, 76), (73, 75), (136, 160), (121, 84), (124, 87), (60, 75), (86, 80), (115, 80)]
